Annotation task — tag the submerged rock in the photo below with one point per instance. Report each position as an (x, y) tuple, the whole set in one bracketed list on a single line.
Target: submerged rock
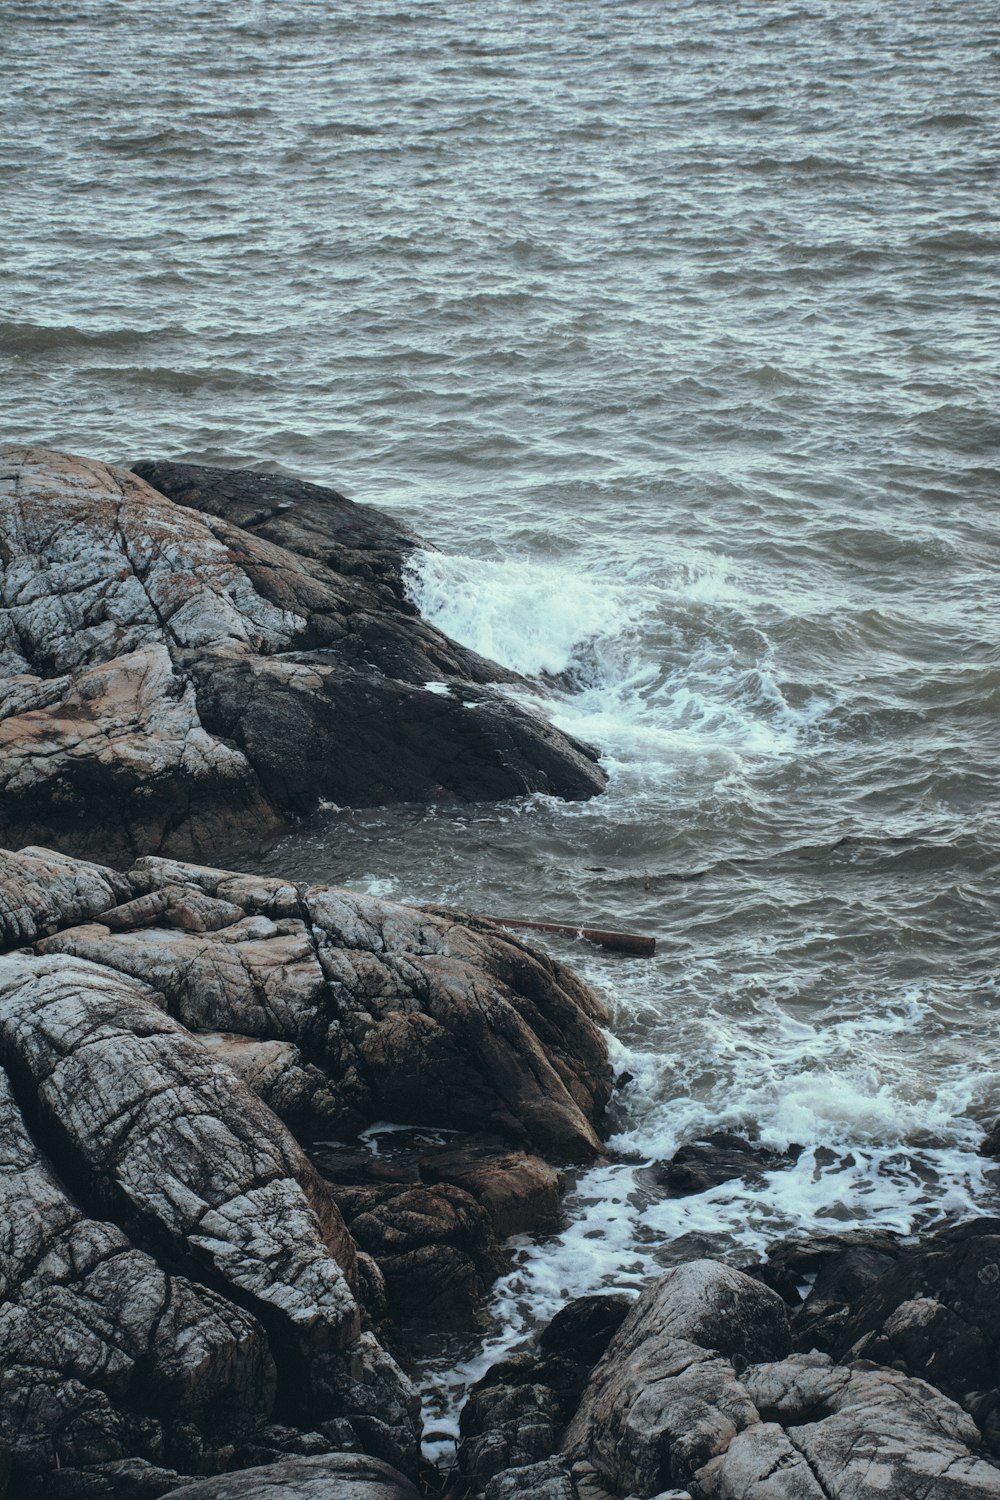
[(705, 1163), (184, 677)]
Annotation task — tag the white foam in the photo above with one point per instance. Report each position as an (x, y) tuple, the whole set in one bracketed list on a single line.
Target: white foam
[(651, 700), (530, 616)]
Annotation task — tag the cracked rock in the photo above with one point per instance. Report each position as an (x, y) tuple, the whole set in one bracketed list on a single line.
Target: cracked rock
[(666, 1397), (388, 1012), (183, 668)]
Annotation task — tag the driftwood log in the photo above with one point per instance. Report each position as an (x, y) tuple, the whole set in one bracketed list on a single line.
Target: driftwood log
[(616, 942)]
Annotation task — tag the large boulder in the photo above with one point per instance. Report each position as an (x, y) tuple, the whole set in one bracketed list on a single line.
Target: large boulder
[(179, 1290), (182, 675), (384, 1011), (687, 1396), (836, 1432), (666, 1397)]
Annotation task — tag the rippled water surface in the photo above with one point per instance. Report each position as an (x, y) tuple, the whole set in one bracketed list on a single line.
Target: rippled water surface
[(674, 327)]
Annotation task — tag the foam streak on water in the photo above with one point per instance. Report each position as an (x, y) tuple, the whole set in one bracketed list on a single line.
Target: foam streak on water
[(674, 328)]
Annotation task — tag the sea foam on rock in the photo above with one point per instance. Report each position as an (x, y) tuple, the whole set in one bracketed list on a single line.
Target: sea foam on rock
[(184, 668)]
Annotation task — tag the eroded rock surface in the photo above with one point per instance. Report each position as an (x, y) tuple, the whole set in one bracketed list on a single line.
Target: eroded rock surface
[(383, 1011), (337, 1476), (666, 1397), (857, 1432), (182, 677), (185, 1171), (184, 1294)]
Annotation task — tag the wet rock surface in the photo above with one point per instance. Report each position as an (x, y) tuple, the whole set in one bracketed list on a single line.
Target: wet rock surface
[(717, 1158), (181, 1290), (183, 676), (689, 1401)]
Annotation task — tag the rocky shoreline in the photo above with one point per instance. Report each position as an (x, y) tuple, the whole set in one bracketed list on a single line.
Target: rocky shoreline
[(209, 1287)]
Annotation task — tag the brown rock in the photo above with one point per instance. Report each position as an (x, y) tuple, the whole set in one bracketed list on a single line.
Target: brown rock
[(173, 682)]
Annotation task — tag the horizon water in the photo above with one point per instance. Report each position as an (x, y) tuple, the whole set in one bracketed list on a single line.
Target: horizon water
[(673, 330)]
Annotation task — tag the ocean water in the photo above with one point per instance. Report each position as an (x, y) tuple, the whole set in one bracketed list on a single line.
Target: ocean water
[(674, 329)]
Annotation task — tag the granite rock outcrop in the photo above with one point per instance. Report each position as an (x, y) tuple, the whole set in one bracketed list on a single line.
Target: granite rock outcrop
[(184, 668), (698, 1397), (181, 1290)]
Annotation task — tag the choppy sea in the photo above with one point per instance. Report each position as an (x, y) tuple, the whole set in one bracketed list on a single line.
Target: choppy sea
[(674, 328)]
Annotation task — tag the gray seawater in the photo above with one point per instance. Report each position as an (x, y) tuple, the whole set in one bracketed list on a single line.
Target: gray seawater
[(674, 328)]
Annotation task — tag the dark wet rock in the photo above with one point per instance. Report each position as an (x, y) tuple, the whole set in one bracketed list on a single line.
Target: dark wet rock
[(388, 1012), (582, 1330), (522, 1403), (717, 1158), (337, 1476), (519, 1192), (174, 682), (435, 1247), (936, 1314), (822, 1279), (666, 1397), (308, 519), (128, 1479), (506, 1427), (432, 1219)]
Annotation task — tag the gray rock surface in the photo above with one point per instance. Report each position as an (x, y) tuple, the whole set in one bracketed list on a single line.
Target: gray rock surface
[(105, 1355), (210, 1273), (858, 1432), (173, 682), (674, 1402), (335, 1476), (184, 1272), (666, 1397), (387, 1012)]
